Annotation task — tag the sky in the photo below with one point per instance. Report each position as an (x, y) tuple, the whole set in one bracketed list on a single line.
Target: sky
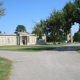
[(28, 12)]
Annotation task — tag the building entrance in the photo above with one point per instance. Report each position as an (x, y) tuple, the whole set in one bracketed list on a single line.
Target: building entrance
[(24, 40)]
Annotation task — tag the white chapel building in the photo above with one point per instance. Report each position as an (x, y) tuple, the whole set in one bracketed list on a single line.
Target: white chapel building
[(21, 38)]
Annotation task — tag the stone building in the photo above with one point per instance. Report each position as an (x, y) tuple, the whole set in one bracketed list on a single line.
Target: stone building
[(21, 38)]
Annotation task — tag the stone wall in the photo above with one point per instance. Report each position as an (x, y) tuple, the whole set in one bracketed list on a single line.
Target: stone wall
[(8, 40), (32, 39), (17, 39), (41, 41)]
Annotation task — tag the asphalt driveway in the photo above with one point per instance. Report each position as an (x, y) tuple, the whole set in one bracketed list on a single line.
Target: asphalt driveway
[(63, 63)]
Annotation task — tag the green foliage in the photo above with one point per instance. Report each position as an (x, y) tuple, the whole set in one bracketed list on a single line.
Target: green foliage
[(30, 48), (77, 3), (77, 16), (20, 28), (78, 51), (69, 15), (55, 26), (39, 29), (2, 10), (58, 24), (77, 37)]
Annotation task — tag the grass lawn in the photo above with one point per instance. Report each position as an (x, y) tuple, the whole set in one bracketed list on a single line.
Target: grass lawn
[(5, 68), (26, 48), (78, 50)]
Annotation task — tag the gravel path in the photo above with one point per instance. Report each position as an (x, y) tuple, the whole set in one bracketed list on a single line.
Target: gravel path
[(63, 63)]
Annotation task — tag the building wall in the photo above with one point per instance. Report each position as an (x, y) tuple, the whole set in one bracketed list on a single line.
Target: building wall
[(7, 40), (32, 39), (13, 39)]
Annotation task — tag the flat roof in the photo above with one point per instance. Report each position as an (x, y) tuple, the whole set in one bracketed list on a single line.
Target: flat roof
[(7, 34)]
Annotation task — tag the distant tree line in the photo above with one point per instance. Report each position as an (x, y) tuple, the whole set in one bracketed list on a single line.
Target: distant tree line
[(59, 22)]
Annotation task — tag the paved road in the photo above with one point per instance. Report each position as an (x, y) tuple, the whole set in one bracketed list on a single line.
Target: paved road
[(60, 64)]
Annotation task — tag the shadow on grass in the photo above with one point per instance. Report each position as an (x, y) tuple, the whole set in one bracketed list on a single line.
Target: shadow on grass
[(40, 48), (53, 48), (37, 49), (32, 46), (67, 48)]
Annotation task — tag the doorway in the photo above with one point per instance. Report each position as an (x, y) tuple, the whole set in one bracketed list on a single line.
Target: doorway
[(24, 40)]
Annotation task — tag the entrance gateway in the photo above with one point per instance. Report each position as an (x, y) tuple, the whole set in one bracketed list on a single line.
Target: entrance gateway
[(24, 40), (21, 38)]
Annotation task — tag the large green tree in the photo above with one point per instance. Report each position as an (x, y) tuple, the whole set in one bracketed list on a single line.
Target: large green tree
[(76, 36), (77, 12), (59, 23), (55, 26), (52, 27), (38, 29), (2, 10), (20, 28), (69, 16)]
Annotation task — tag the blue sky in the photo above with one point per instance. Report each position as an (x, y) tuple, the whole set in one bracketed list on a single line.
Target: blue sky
[(26, 12)]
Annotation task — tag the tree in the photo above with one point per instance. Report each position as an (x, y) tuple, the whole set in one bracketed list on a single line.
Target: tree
[(76, 37), (69, 16), (20, 28), (2, 10), (77, 12), (55, 26), (0, 32), (59, 23), (39, 29)]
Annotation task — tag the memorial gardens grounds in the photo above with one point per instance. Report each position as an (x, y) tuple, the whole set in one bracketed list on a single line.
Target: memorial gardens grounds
[(5, 68), (30, 48)]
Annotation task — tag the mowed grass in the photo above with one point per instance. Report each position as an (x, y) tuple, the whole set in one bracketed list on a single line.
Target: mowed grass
[(5, 68), (26, 48), (78, 50)]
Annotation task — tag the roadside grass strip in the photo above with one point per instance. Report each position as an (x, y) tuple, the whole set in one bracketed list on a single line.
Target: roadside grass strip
[(26, 48), (5, 68), (78, 50)]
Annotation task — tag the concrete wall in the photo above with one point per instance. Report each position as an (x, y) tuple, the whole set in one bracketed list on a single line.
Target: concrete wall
[(8, 40), (32, 39), (13, 39)]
